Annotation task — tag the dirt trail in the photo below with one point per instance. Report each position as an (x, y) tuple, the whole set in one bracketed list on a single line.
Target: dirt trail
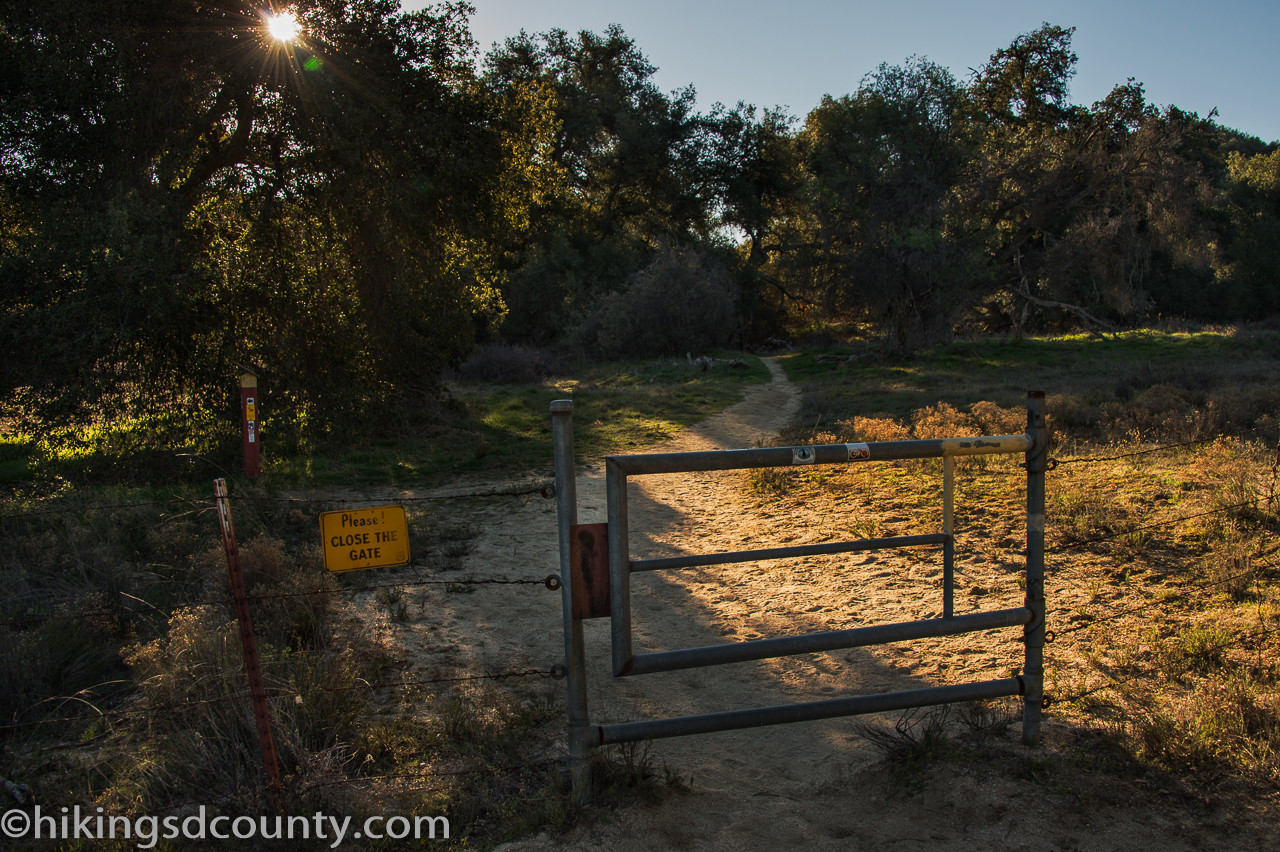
[(809, 785)]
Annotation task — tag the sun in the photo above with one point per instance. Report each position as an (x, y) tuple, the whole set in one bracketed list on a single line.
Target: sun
[(283, 26)]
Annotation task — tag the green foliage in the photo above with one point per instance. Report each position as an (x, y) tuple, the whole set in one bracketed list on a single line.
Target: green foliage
[(349, 214), (883, 167), (1253, 251), (625, 167), (198, 198), (15, 461), (681, 302), (1026, 83)]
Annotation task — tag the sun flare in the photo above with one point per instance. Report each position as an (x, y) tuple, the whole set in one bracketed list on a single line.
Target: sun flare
[(283, 26)]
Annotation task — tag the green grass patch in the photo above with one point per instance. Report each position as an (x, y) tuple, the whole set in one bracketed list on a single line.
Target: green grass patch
[(1216, 379), (480, 429), (17, 462), (505, 429)]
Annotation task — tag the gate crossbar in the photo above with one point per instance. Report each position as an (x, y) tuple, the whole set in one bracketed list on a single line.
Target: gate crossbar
[(831, 640), (809, 711), (931, 448), (827, 549)]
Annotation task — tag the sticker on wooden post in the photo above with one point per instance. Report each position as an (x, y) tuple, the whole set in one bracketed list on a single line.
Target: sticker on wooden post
[(358, 539), (589, 564), (249, 425)]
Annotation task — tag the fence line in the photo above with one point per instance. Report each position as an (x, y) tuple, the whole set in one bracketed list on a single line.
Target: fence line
[(1116, 614), (276, 693), (1161, 448), (1119, 681), (551, 581), (1234, 641), (546, 491), (1154, 525), (18, 516)]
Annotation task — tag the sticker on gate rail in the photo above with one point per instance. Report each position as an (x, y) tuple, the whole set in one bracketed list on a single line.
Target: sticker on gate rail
[(803, 455), (858, 452), (358, 539)]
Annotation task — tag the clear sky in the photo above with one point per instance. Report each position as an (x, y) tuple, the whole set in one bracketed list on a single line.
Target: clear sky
[(1195, 55)]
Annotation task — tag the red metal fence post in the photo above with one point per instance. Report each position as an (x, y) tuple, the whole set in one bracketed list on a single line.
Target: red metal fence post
[(256, 686), (249, 421)]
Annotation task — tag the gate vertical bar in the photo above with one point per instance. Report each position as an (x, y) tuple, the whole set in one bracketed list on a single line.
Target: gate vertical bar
[(574, 655), (948, 529), (619, 566), (1033, 634)]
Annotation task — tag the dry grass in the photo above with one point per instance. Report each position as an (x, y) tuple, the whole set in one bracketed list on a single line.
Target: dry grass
[(1163, 589), (1163, 567), (108, 632)]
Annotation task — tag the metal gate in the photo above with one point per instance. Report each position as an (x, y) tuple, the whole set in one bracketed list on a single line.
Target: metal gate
[(596, 569)]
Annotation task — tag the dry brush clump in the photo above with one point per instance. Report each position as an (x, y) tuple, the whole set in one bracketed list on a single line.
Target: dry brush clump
[(80, 586), (176, 726), (191, 735), (942, 420)]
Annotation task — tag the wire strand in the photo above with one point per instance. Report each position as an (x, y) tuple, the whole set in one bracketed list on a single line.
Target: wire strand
[(277, 693), (1154, 525), (1159, 448)]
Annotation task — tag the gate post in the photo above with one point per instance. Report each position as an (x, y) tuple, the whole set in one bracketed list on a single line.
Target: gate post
[(574, 658), (1034, 632)]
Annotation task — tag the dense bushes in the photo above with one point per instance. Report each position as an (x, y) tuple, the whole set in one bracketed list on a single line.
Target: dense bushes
[(511, 364), (682, 301)]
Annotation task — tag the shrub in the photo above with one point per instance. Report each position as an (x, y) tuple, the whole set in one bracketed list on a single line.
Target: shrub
[(940, 421), (1071, 414), (992, 419), (682, 301), (873, 429), (508, 364)]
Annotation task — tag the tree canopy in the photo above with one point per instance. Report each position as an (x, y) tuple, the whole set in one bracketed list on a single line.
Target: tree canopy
[(183, 197), (184, 194)]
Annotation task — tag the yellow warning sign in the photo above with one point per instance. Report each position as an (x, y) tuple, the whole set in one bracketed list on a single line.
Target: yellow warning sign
[(357, 539)]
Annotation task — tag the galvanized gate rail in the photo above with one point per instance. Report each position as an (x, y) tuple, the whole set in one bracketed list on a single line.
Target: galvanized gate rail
[(596, 570)]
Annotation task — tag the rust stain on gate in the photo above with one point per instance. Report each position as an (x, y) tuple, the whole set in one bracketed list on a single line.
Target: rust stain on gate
[(589, 562)]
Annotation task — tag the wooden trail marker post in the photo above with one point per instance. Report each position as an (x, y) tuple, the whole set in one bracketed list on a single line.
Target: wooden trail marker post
[(249, 425)]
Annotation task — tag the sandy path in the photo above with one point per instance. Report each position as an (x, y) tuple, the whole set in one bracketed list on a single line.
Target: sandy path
[(806, 785)]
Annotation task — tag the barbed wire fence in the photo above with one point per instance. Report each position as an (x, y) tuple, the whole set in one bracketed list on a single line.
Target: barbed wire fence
[(1116, 613), (95, 710), (546, 491)]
